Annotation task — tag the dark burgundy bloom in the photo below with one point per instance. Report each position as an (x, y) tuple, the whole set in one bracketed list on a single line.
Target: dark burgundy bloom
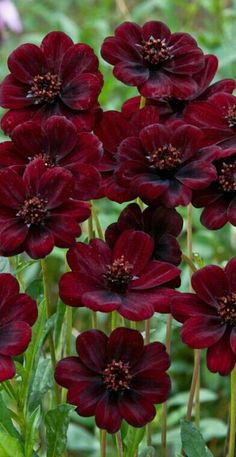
[(171, 107), (115, 378), (57, 78), (209, 316), (159, 63), (37, 211), (123, 278), (18, 312), (163, 224), (219, 199), (112, 130), (58, 144), (162, 165), (216, 117)]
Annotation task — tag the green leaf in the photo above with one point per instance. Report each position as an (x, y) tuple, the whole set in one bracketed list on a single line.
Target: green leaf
[(4, 265), (57, 421), (133, 438), (31, 430), (6, 424), (192, 441), (9, 446), (147, 452), (43, 381)]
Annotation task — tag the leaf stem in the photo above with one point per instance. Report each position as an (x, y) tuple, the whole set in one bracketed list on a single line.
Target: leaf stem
[(232, 430), (103, 436), (119, 444)]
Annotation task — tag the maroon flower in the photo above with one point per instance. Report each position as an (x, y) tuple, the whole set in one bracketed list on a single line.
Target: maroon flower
[(163, 224), (112, 130), (219, 199), (123, 278), (159, 63), (59, 77), (171, 107), (115, 377), (57, 144), (216, 117), (18, 312), (162, 165), (37, 211), (209, 316)]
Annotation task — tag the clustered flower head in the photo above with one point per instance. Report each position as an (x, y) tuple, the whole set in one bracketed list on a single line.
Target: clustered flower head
[(172, 145)]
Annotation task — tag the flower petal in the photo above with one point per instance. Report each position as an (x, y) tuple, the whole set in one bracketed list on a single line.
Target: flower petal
[(54, 46), (13, 94), (220, 357), (202, 331), (25, 62), (136, 247), (136, 409), (91, 346), (81, 93), (155, 274), (14, 338), (39, 242), (210, 283), (7, 368), (107, 416), (126, 345)]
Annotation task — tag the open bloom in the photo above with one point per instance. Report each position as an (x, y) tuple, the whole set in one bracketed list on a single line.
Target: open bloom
[(37, 211), (162, 165), (159, 63), (209, 316), (115, 377), (18, 312), (163, 224), (219, 198), (123, 278), (58, 77), (58, 144)]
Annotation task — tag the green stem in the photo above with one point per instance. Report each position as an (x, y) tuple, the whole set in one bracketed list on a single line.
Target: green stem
[(147, 341), (119, 444), (94, 319), (232, 430), (103, 435), (48, 314), (68, 330), (189, 262), (196, 369), (164, 406), (90, 227), (97, 223), (142, 102), (113, 320)]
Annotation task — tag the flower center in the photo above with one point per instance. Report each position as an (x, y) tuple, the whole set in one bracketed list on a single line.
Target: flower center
[(45, 88), (33, 210), (116, 376), (231, 116), (227, 177), (165, 157), (118, 275), (155, 51), (49, 161), (227, 309)]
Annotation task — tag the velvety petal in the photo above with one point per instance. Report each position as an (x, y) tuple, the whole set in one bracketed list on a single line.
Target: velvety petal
[(15, 117), (167, 249), (186, 305), (12, 189), (54, 46), (163, 299), (129, 32), (231, 212), (10, 157), (136, 247), (115, 50), (86, 395), (25, 62), (187, 139), (157, 29), (112, 130), (136, 409), (71, 288), (56, 185), (101, 300), (215, 216), (201, 332), (107, 416), (197, 174), (162, 84), (13, 94), (230, 271), (64, 230), (137, 306), (19, 307), (131, 73), (155, 274), (14, 338), (92, 259), (7, 368), (13, 233), (154, 357), (8, 286), (126, 345), (87, 181), (204, 114), (176, 194), (210, 283), (32, 176), (154, 136), (152, 384), (88, 149), (220, 357), (75, 209), (81, 93), (61, 134), (149, 186), (91, 346), (233, 340), (78, 59), (71, 370), (39, 242), (29, 139)]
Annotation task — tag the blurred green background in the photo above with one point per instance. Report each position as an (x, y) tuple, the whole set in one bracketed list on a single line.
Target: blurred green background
[(212, 23)]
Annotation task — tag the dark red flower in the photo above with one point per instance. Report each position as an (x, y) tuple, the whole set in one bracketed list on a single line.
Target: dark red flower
[(58, 144), (219, 199), (112, 130), (57, 78), (162, 164), (209, 316), (216, 117), (123, 278), (159, 63), (115, 378), (18, 312), (171, 107), (163, 224), (37, 211)]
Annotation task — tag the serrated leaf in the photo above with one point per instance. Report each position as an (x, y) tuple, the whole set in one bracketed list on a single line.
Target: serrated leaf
[(133, 438), (9, 446), (192, 441), (57, 421)]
